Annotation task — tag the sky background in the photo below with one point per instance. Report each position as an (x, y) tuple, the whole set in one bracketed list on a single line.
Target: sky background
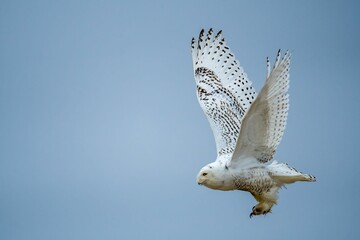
[(101, 134)]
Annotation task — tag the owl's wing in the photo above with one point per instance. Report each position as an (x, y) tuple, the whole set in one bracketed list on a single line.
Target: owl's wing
[(223, 89), (264, 124)]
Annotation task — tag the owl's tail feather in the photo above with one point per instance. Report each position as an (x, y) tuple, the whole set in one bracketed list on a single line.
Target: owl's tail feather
[(285, 174)]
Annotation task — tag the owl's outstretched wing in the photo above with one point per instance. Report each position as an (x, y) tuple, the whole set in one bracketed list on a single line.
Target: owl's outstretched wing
[(264, 124), (223, 89)]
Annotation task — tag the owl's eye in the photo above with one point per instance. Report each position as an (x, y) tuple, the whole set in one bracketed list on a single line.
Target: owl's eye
[(204, 174)]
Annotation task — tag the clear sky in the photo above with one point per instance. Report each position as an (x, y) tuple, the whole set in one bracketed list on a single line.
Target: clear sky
[(101, 134)]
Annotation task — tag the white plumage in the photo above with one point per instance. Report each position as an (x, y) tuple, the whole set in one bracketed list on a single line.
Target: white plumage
[(247, 127)]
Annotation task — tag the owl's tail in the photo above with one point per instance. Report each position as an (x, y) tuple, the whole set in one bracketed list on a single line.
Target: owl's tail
[(285, 174)]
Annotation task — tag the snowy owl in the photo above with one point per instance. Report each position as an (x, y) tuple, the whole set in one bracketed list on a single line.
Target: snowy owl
[(247, 126)]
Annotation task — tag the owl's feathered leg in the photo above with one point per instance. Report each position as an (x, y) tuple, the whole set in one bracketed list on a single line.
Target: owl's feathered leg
[(261, 209), (266, 201)]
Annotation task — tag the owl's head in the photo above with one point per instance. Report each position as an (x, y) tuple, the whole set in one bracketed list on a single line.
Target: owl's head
[(212, 176)]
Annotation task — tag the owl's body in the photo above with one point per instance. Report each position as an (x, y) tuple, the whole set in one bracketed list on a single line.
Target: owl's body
[(247, 127), (261, 180)]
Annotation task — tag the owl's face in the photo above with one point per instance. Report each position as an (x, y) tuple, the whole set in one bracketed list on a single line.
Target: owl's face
[(211, 176)]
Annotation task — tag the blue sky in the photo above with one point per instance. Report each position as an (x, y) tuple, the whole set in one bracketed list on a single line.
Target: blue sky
[(101, 135)]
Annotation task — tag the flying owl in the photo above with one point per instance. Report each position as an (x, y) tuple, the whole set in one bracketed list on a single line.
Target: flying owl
[(247, 126)]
